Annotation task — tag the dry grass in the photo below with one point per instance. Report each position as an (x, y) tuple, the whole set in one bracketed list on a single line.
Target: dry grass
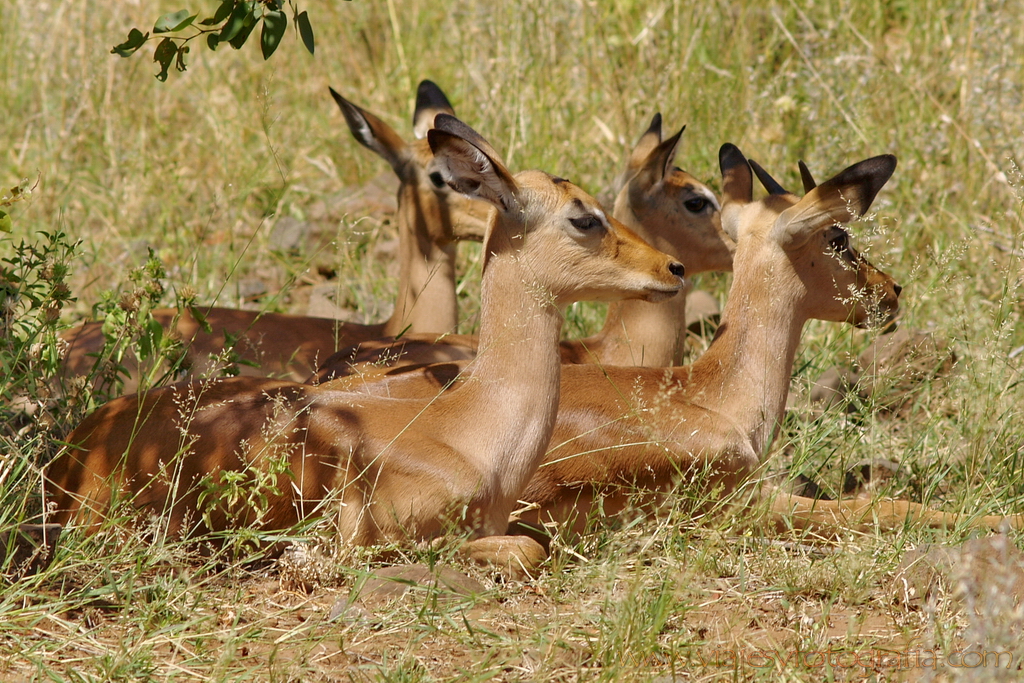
[(202, 167)]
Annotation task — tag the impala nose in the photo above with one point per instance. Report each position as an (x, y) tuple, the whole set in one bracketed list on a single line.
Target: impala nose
[(678, 270), (896, 288)]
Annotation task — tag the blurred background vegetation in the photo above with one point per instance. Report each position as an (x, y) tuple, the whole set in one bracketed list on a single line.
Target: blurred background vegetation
[(213, 170)]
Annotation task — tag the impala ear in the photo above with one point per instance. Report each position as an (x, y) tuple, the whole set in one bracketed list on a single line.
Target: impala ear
[(645, 146), (660, 161), (373, 133), (737, 180), (470, 165), (430, 101), (838, 200), (737, 187)]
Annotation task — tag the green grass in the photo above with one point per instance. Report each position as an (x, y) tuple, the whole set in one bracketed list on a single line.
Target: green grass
[(201, 167)]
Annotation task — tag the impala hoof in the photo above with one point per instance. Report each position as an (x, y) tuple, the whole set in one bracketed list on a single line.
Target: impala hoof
[(517, 557)]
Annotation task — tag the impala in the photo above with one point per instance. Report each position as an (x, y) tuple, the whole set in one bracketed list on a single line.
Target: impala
[(621, 428), (430, 219), (664, 205), (395, 469), (714, 420)]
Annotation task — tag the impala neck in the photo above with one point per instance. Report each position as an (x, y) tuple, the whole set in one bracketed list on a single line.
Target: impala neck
[(426, 276), (514, 385), (745, 374), (636, 332), (644, 334)]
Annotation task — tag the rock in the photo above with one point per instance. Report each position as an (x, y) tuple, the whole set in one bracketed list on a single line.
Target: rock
[(393, 583), (888, 373), (323, 304), (895, 364), (833, 386), (982, 569), (251, 288), (289, 234)]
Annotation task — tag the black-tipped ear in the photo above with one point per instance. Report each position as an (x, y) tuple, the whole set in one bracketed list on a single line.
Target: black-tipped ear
[(653, 130), (469, 164), (454, 126), (659, 162), (430, 101), (737, 181), (769, 183), (655, 127), (806, 178), (837, 200), (645, 146), (868, 177), (671, 148), (372, 133)]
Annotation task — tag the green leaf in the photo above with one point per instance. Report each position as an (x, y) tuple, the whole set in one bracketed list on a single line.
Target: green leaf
[(164, 54), (212, 40), (221, 14), (239, 40), (200, 317), (174, 21), (237, 21), (180, 63), (274, 25), (136, 39), (6, 224), (305, 30)]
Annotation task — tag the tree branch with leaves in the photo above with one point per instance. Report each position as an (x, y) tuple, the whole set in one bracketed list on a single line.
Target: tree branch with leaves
[(232, 23)]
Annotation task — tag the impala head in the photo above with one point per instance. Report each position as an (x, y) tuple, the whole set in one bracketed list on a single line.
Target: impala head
[(568, 243), (834, 281), (671, 209), (443, 214)]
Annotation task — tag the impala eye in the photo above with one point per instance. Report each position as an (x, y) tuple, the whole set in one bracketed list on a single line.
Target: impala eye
[(438, 180), (840, 243), (585, 223), (696, 205)]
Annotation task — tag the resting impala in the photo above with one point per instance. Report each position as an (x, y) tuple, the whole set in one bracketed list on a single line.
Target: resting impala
[(430, 219), (619, 428), (396, 468), (664, 205), (717, 417)]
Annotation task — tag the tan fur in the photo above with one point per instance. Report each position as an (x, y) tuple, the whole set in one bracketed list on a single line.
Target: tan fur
[(710, 423), (430, 220), (396, 469)]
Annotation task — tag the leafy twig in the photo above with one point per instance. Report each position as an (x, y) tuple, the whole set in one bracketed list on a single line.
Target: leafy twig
[(232, 23)]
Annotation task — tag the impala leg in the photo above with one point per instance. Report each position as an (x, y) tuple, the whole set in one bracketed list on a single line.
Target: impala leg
[(519, 557), (863, 514)]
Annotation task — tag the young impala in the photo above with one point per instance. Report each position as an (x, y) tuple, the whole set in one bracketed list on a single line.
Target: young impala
[(664, 205), (430, 219), (395, 469), (620, 429)]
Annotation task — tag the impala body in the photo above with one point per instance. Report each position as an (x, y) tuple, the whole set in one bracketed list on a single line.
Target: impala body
[(624, 430), (388, 468)]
